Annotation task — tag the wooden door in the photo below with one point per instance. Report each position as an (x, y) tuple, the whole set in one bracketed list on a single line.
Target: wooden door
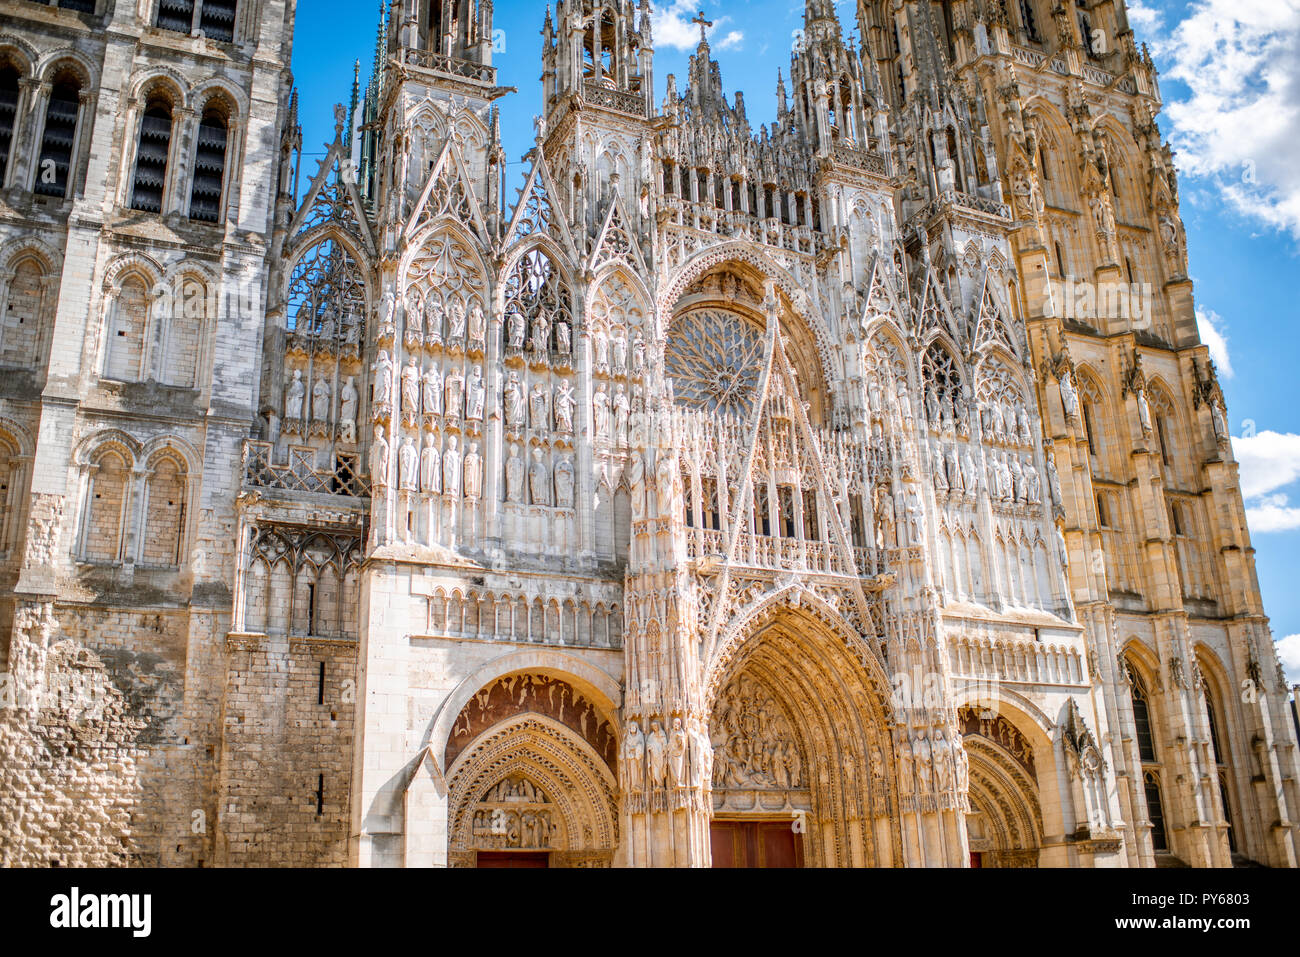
[(756, 844)]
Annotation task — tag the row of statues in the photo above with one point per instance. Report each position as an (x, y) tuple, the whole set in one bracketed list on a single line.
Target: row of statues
[(322, 394), (541, 409), (680, 758), (428, 470), (436, 322), (539, 484), (1011, 478), (929, 762)]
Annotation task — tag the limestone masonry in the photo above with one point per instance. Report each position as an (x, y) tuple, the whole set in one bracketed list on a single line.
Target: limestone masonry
[(850, 491)]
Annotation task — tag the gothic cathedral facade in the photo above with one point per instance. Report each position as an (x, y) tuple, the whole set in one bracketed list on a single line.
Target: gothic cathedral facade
[(850, 491)]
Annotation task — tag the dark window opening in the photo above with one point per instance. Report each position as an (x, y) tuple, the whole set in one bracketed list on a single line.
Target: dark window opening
[(1142, 722), (151, 159), (58, 138), (217, 21), (1155, 812), (209, 169), (175, 15), (8, 116)]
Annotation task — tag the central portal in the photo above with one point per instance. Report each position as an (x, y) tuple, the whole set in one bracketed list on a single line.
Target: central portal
[(756, 844)]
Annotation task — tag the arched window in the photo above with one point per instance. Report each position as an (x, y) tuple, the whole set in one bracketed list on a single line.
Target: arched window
[(1155, 811), (8, 116), (59, 137), (151, 155), (180, 335), (1142, 718), (1221, 764), (129, 317), (164, 514), (1060, 260), (20, 325), (104, 517), (209, 167), (9, 493)]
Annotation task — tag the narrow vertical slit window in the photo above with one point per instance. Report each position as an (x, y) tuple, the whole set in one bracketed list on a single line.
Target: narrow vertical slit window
[(320, 687)]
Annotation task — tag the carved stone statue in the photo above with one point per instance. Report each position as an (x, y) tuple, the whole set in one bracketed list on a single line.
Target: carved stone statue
[(563, 338), (383, 370), (600, 350), (666, 478), (379, 460), (636, 479), (1144, 411), (473, 472), (433, 318), (542, 334), (539, 480), (409, 465), (1069, 395), (634, 757), (1054, 481), (600, 408), (477, 326), (456, 321), (619, 347), (431, 466), (564, 483), (539, 408), (451, 468), (432, 396), (656, 750), (411, 386), (293, 402), (621, 405), (638, 355), (516, 329), (514, 403), (476, 395), (348, 410), (390, 308), (515, 477), (455, 393), (564, 406), (320, 401), (678, 749)]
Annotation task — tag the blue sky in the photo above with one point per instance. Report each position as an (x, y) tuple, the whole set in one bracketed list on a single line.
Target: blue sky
[(1230, 75)]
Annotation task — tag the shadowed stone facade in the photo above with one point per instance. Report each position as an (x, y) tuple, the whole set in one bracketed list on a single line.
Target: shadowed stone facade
[(852, 491)]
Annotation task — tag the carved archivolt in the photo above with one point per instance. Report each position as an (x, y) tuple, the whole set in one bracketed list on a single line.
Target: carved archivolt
[(1006, 820), (532, 693), (532, 765), (799, 725)]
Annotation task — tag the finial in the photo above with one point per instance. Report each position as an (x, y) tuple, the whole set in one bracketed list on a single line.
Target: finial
[(704, 27)]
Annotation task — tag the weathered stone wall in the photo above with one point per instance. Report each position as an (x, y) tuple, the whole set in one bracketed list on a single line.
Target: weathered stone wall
[(286, 771)]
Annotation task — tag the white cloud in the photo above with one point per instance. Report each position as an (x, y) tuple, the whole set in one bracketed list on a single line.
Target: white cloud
[(673, 28), (1144, 19), (1269, 461), (1240, 60), (1288, 650), (731, 41), (1210, 324), (1272, 513)]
